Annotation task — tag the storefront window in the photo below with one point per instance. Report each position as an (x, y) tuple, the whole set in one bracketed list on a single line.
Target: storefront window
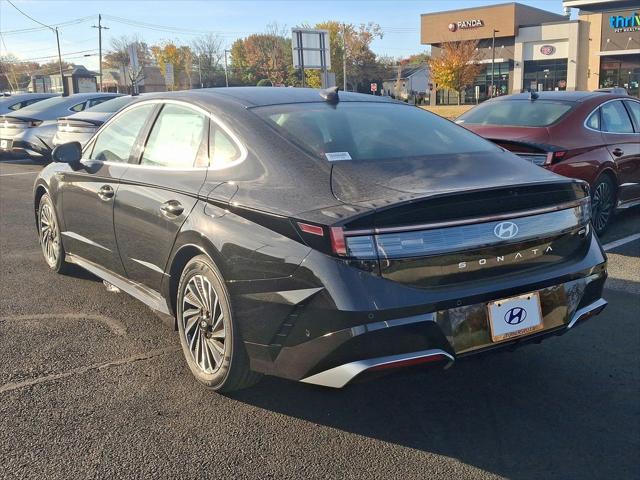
[(545, 75), (482, 85), (620, 71)]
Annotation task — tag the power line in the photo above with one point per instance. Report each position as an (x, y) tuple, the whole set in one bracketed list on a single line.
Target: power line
[(64, 90), (27, 15), (39, 29)]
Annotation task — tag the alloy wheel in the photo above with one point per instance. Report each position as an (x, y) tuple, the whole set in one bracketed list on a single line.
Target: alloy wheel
[(602, 204), (203, 322), (49, 235)]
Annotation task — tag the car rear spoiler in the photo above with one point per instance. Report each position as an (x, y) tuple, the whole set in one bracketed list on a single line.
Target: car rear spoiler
[(73, 121), (535, 146)]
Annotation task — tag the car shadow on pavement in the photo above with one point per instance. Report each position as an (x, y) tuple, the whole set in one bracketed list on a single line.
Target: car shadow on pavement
[(564, 409)]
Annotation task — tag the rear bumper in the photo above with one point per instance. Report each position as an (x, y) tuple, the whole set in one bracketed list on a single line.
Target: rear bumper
[(339, 376), (335, 333)]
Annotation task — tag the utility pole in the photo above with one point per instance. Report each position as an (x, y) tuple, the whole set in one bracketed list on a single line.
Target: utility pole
[(344, 57), (493, 60), (100, 28), (200, 71), (64, 89), (226, 75)]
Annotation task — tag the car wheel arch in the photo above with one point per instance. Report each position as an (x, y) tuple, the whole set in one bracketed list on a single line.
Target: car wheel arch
[(183, 253), (609, 172), (40, 191)]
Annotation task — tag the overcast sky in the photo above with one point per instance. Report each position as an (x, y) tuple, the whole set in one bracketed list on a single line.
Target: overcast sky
[(231, 19)]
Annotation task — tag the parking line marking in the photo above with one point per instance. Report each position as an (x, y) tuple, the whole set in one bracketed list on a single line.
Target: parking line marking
[(21, 173), (622, 241), (8, 387)]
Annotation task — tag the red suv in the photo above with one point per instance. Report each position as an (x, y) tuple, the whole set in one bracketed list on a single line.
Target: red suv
[(593, 136)]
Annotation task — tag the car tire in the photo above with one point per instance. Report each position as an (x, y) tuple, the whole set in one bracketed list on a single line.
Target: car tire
[(209, 336), (603, 201), (50, 236)]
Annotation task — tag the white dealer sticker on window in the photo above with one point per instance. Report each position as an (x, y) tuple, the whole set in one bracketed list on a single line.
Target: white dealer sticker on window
[(337, 156)]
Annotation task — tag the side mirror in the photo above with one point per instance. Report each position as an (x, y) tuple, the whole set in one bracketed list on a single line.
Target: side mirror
[(70, 153)]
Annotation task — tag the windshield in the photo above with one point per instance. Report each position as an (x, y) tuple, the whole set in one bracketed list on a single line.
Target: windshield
[(370, 131), (112, 105), (518, 113)]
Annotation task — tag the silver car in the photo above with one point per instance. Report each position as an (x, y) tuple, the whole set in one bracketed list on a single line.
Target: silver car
[(31, 129), (13, 102), (80, 127)]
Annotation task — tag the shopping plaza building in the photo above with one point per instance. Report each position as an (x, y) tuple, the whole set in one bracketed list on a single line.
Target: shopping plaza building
[(541, 50)]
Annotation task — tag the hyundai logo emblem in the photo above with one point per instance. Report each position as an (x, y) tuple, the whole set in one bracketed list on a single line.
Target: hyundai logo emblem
[(505, 230), (515, 315)]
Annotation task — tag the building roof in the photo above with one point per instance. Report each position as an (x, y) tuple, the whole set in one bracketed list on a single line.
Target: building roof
[(407, 72)]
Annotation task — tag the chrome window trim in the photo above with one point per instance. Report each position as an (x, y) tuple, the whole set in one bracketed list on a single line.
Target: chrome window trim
[(243, 150), (617, 99), (466, 221)]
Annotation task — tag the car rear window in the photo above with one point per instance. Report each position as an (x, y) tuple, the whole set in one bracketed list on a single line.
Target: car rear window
[(518, 113), (112, 105), (369, 131)]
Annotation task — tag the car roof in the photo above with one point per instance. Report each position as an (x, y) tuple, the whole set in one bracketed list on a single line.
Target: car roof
[(576, 96), (262, 96), (18, 97)]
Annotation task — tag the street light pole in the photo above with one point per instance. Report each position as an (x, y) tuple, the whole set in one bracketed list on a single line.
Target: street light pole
[(493, 60), (200, 71), (344, 57), (60, 63), (226, 75)]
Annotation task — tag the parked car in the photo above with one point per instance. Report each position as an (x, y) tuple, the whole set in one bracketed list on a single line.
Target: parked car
[(320, 236), (593, 136), (80, 127), (30, 130), (11, 103)]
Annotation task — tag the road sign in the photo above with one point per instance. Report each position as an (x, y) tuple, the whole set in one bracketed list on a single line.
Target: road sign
[(168, 74), (311, 51), (374, 87)]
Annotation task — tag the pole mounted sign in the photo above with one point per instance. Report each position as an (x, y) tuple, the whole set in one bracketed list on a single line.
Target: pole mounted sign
[(374, 87), (311, 51)]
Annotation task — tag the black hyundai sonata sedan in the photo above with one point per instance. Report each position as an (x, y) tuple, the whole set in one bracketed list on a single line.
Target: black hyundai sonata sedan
[(320, 235)]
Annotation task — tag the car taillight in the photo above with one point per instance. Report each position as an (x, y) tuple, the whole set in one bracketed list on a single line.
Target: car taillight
[(555, 157), (338, 244)]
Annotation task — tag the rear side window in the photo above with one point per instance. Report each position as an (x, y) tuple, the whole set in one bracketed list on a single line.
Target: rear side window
[(222, 148), (116, 140), (17, 106), (370, 131), (615, 118), (634, 109), (594, 120), (176, 138), (518, 113), (77, 108)]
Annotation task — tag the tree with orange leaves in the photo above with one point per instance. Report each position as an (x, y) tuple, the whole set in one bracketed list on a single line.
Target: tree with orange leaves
[(456, 67)]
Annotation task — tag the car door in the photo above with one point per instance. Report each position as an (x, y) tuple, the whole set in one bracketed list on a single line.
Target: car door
[(89, 191), (622, 143), (156, 196), (632, 175)]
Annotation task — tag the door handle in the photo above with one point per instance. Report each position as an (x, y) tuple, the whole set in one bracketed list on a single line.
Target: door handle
[(618, 152), (172, 208), (106, 192)]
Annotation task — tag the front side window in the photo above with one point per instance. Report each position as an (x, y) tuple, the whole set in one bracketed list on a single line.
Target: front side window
[(615, 118), (115, 142), (176, 138), (370, 131), (517, 113)]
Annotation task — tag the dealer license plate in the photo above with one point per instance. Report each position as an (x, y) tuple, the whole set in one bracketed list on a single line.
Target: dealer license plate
[(515, 316)]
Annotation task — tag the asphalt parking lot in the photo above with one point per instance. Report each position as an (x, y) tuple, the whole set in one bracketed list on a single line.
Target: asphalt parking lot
[(93, 385)]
